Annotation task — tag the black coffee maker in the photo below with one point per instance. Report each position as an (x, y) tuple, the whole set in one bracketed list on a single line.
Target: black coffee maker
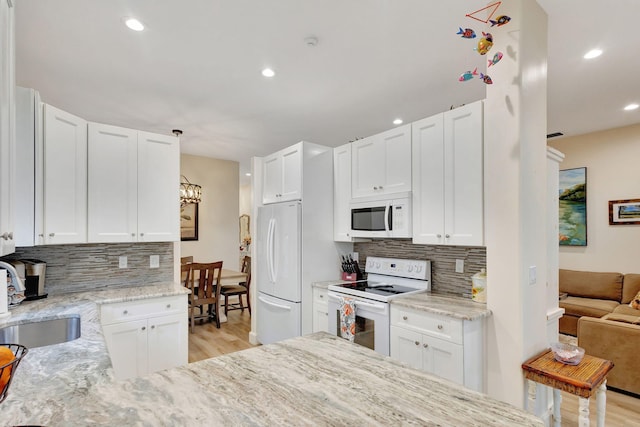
[(34, 279)]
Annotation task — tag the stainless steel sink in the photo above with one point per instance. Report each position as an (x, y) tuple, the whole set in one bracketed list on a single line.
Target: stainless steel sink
[(42, 333)]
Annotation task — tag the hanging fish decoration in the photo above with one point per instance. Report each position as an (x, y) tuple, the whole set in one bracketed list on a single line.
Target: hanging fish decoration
[(496, 58), (467, 33), (468, 75), (485, 78), (502, 19), (485, 43)]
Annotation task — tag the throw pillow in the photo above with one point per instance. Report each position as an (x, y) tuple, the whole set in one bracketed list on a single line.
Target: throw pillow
[(635, 302)]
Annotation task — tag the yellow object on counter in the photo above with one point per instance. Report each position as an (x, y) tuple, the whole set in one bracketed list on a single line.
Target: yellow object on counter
[(479, 286)]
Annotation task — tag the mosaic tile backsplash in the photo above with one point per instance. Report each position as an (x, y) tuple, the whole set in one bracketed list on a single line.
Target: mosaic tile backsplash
[(444, 278), (77, 268)]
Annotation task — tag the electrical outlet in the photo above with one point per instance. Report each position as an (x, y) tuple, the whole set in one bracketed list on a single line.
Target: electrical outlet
[(533, 275), (459, 266), (154, 261), (122, 261)]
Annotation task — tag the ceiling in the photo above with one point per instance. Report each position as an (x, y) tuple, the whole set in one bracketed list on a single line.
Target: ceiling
[(197, 66)]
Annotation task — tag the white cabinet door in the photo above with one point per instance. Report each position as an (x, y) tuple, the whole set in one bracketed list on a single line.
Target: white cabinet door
[(428, 180), (158, 188), (368, 166), (112, 184), (167, 342), (381, 164), (463, 179), (320, 310), (282, 175), (291, 173), (448, 184), (7, 128), (127, 345), (443, 358), (396, 146), (342, 193), (406, 346), (65, 177)]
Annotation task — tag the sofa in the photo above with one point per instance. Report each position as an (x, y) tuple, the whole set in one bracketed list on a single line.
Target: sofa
[(597, 311)]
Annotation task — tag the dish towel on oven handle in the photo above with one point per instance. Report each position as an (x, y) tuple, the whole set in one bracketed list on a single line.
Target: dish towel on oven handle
[(347, 318)]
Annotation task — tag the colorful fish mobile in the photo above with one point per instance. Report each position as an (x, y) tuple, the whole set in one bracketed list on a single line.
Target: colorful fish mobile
[(468, 75), (496, 58), (467, 33), (502, 19), (485, 78), (485, 43)]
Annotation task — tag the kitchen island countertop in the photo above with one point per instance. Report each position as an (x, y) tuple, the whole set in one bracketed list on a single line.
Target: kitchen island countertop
[(313, 380)]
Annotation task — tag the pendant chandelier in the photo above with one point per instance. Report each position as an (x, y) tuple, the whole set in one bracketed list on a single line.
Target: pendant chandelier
[(189, 193)]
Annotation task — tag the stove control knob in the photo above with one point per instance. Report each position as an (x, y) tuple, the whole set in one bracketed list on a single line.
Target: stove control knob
[(418, 268), (377, 265), (410, 268)]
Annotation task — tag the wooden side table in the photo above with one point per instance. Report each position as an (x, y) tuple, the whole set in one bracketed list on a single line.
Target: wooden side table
[(583, 379)]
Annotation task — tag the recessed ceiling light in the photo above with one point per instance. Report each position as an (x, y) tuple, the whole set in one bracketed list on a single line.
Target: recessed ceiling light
[(593, 53), (268, 72), (247, 174), (134, 24), (631, 107), (397, 122)]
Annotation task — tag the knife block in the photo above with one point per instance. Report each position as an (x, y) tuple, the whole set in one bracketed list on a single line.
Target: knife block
[(350, 277)]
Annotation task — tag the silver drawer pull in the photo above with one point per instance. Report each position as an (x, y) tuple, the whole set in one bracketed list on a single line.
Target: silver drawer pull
[(439, 326), (405, 318)]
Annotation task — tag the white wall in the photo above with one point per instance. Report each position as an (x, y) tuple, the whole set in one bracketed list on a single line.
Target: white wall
[(611, 158), (245, 199), (218, 211)]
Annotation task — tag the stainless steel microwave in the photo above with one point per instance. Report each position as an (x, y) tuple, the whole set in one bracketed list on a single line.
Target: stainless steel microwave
[(381, 218)]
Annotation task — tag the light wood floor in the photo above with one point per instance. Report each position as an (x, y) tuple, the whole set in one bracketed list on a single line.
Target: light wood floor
[(207, 341)]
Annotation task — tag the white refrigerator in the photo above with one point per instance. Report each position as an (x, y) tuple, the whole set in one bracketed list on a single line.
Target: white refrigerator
[(279, 271)]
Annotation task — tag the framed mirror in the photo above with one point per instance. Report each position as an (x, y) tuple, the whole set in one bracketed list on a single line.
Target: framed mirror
[(245, 231)]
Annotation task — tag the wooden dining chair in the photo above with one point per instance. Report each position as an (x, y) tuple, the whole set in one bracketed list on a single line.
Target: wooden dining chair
[(203, 280), (238, 290), (186, 259)]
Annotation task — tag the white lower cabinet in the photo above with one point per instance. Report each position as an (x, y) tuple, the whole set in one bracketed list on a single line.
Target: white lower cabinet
[(445, 346), (320, 310), (146, 336)]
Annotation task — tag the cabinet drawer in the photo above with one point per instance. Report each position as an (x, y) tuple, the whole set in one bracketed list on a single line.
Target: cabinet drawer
[(443, 327), (141, 309), (320, 295)]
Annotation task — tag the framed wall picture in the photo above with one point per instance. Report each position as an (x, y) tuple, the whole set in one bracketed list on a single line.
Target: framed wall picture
[(624, 212), (572, 218), (189, 222)]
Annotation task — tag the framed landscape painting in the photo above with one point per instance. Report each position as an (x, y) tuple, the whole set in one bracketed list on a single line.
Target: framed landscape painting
[(189, 222), (572, 217), (624, 212)]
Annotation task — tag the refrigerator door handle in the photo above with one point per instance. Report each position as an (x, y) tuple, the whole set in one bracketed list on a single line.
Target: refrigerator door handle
[(284, 307), (271, 248)]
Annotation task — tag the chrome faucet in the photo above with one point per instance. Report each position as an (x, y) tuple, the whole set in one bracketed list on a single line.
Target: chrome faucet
[(17, 281)]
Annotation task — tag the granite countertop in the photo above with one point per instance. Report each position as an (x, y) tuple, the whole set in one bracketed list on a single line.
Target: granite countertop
[(446, 305), (325, 284), (313, 380)]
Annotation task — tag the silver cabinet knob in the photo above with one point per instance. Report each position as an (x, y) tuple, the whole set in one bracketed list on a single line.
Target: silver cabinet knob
[(404, 317), (375, 188), (447, 236), (40, 235), (125, 312), (141, 234), (168, 305), (52, 234), (144, 328), (380, 187), (439, 236), (133, 234), (440, 327), (153, 326), (425, 345), (417, 342), (321, 296)]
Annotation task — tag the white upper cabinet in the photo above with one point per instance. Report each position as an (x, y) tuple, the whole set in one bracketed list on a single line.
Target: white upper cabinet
[(158, 188), (282, 175), (113, 184), (342, 193), (381, 164), (7, 129), (134, 180), (448, 184), (65, 178)]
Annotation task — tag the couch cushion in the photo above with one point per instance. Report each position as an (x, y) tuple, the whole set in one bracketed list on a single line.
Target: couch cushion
[(606, 286), (626, 310), (577, 306), (623, 318), (630, 287)]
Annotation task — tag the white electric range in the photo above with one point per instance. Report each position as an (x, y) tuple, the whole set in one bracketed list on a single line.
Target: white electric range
[(387, 278)]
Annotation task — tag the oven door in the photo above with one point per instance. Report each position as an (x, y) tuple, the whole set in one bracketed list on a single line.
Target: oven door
[(372, 321)]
